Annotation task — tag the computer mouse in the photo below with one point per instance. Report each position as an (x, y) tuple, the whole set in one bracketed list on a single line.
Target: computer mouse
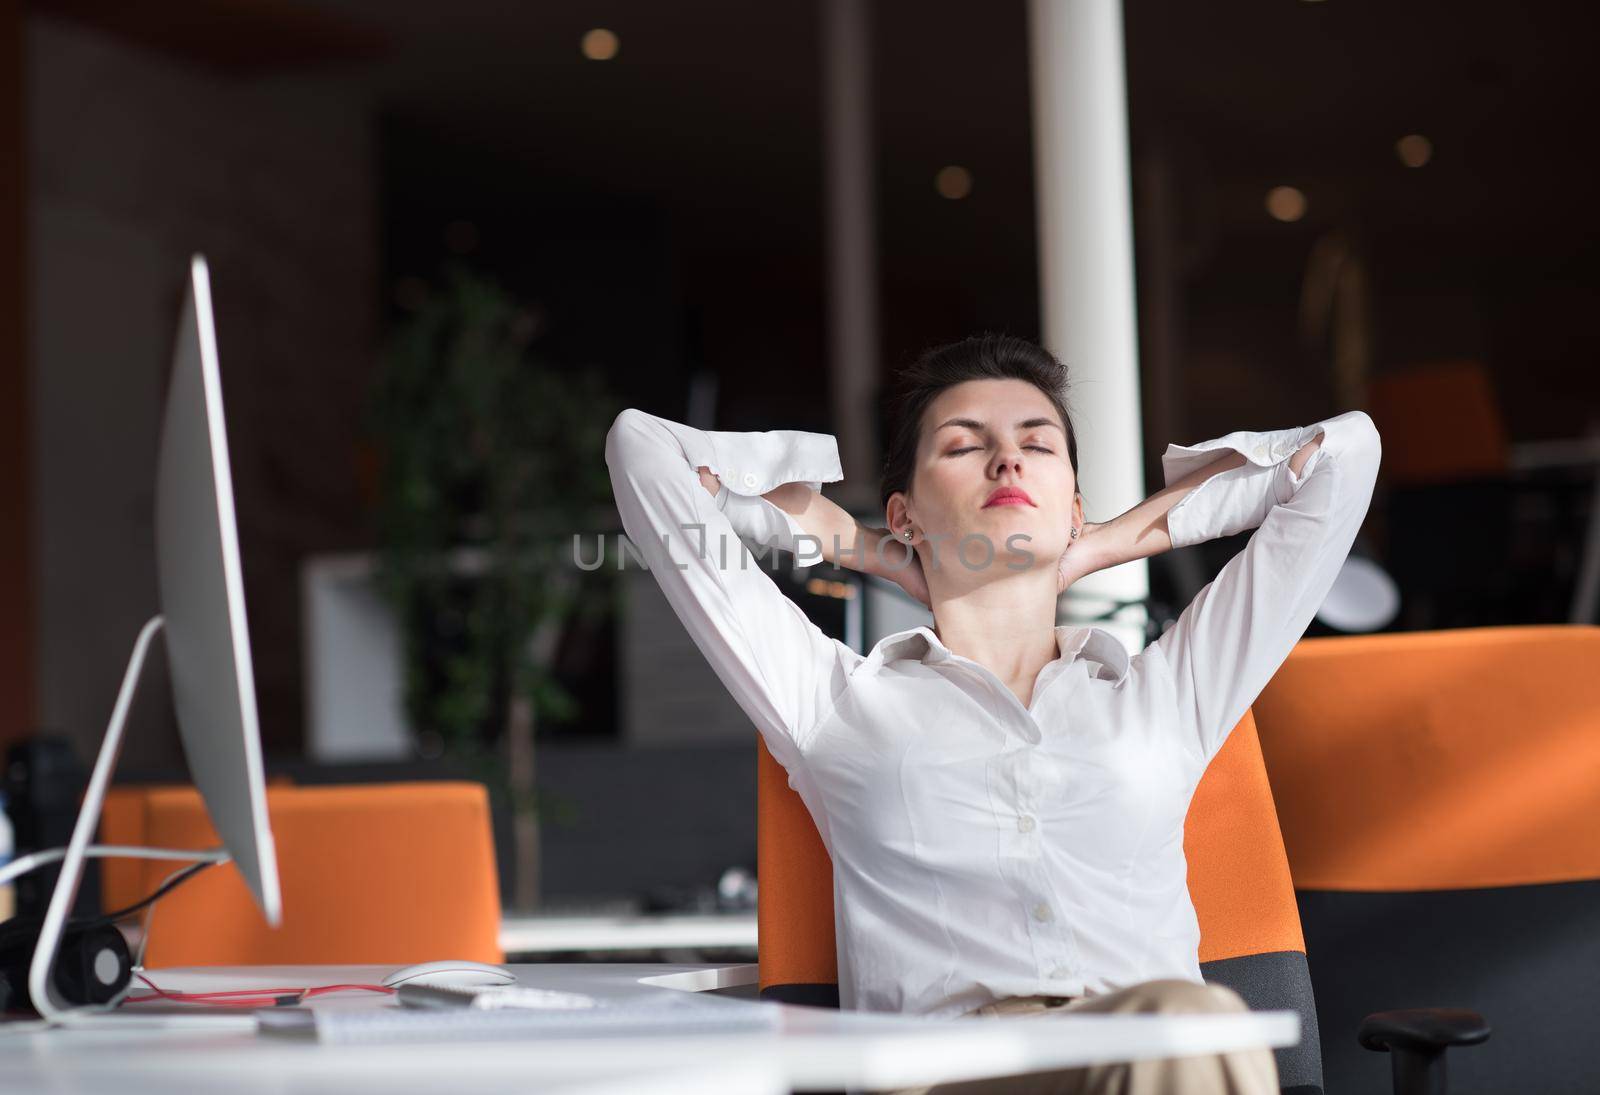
[(451, 972)]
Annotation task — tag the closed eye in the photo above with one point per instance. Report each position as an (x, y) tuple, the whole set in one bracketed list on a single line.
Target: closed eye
[(974, 448)]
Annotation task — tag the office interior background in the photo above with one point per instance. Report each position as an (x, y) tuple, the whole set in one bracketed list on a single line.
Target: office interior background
[(449, 242)]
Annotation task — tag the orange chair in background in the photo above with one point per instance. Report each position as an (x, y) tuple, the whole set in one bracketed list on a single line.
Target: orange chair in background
[(1438, 760), (1449, 508), (122, 821), (1441, 422), (372, 874)]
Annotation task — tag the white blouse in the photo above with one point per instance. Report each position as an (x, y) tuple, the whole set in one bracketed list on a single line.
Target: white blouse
[(982, 849)]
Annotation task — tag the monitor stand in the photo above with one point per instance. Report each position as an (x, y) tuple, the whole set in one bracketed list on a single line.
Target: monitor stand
[(50, 1008)]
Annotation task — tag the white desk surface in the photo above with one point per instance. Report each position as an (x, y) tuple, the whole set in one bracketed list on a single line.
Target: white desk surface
[(815, 1049)]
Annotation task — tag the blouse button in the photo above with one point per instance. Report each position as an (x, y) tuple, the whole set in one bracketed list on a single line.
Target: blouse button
[(1060, 973), (1025, 824), (749, 478), (1041, 912)]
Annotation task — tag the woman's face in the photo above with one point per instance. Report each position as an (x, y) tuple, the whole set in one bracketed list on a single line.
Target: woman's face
[(991, 460)]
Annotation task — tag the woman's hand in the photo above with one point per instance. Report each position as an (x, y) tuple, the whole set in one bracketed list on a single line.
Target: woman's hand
[(1080, 558)]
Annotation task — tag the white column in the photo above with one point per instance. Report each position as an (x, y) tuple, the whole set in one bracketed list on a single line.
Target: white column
[(852, 267), (1080, 139)]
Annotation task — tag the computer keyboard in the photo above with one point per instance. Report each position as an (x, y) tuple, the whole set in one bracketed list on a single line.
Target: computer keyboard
[(390, 1024)]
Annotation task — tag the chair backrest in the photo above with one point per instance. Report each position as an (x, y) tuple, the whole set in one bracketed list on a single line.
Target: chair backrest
[(1440, 422), (1239, 881), (1439, 794), (373, 873)]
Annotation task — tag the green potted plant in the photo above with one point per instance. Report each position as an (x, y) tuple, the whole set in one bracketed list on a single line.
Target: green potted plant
[(489, 461)]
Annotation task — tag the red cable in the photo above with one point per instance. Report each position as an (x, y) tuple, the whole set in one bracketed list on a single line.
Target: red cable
[(242, 997)]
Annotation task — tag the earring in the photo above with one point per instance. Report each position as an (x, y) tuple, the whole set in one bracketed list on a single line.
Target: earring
[(906, 534), (1074, 534)]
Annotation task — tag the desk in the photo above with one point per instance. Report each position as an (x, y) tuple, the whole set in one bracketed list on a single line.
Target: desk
[(815, 1049)]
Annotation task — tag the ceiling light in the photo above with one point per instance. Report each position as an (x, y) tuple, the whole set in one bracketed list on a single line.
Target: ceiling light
[(1414, 150), (953, 182), (600, 44), (1285, 203)]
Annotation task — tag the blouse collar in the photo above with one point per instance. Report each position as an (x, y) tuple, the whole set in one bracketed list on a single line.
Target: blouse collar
[(1096, 644)]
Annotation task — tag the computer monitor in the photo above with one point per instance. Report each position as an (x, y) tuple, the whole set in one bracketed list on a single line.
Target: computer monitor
[(208, 646), (202, 601)]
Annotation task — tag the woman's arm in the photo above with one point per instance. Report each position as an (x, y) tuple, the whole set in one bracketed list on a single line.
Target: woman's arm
[(1231, 639), (779, 666), (820, 529), (1142, 531)]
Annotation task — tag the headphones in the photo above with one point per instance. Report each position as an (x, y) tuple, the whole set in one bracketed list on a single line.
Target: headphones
[(92, 964)]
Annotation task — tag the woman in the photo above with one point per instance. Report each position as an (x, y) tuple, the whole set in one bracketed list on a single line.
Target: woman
[(1003, 798)]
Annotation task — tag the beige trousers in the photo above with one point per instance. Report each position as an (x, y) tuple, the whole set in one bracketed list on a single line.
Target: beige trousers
[(1244, 1072)]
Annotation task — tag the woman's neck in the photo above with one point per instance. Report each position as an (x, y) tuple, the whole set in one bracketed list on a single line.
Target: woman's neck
[(1008, 627)]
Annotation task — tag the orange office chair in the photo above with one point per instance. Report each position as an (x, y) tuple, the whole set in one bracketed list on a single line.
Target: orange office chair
[(374, 873), (1448, 507), (1439, 794), (1440, 422), (1238, 878)]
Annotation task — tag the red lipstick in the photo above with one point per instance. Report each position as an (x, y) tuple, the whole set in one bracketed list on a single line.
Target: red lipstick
[(1008, 496)]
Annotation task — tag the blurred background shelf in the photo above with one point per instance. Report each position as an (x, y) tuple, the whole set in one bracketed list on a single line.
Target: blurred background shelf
[(538, 935)]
